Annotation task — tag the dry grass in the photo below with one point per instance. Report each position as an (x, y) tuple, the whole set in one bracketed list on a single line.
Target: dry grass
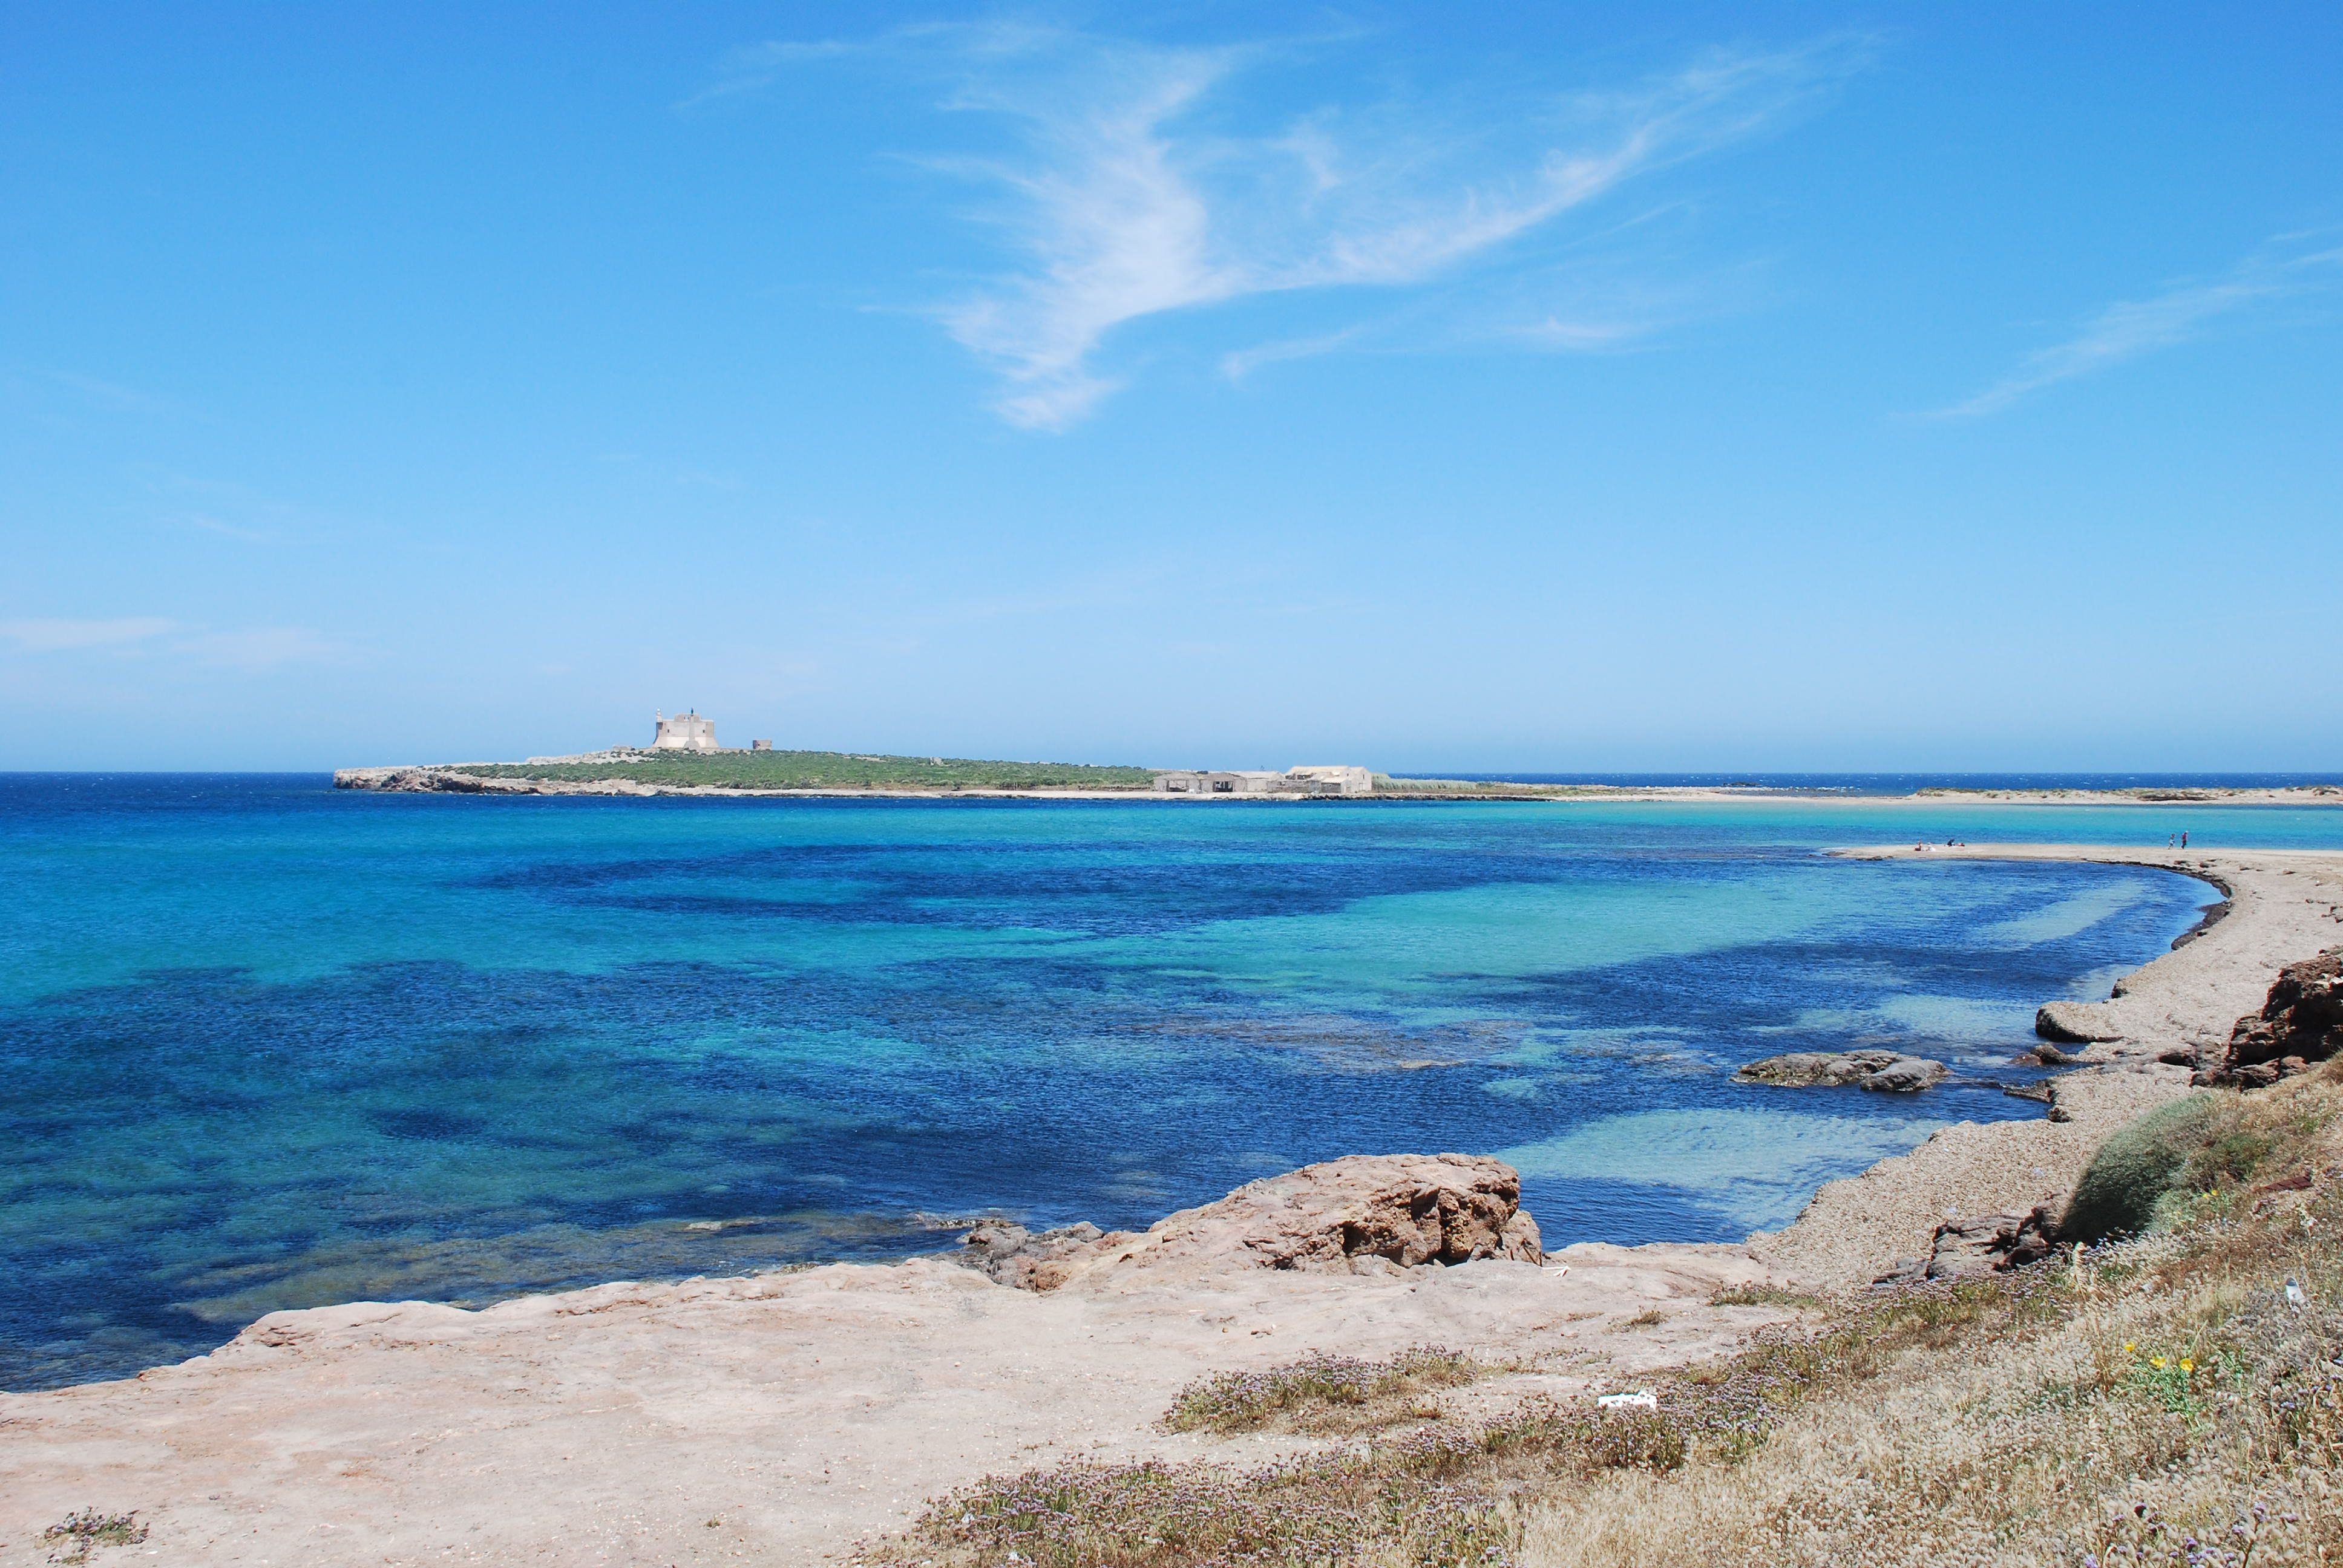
[(2168, 1404), (2160, 1400), (1765, 1296), (1322, 1394)]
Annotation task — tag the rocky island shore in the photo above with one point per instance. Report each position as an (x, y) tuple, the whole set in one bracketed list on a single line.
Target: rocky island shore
[(752, 775), (788, 1417)]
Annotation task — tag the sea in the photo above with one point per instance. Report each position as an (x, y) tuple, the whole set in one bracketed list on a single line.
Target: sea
[(264, 1044)]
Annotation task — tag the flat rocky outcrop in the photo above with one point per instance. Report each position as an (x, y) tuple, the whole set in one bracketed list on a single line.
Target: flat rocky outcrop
[(1364, 1213), (1888, 1072), (2076, 1022)]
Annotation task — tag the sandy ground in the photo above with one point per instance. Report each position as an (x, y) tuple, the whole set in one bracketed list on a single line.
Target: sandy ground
[(781, 1418)]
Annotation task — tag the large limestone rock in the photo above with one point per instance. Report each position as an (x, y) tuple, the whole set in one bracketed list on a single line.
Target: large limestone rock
[(1364, 1213), (1885, 1071)]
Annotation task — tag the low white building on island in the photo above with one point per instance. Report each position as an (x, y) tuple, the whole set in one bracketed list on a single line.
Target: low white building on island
[(1313, 779), (684, 732), (1331, 778)]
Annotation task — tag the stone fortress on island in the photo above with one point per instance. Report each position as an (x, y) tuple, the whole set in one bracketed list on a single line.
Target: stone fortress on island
[(684, 732)]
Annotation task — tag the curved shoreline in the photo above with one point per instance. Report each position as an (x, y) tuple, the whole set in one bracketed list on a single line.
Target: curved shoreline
[(804, 1410), (2280, 906)]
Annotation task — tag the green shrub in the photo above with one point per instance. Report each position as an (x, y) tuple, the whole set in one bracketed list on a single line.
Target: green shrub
[(2230, 1156), (2133, 1170), (823, 771)]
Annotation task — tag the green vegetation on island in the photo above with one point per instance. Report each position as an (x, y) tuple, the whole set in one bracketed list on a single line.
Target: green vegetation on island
[(820, 770), (1483, 788)]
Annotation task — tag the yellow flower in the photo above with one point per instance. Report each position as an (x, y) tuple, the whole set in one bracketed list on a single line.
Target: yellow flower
[(2129, 1347), (2156, 1361), (2187, 1365)]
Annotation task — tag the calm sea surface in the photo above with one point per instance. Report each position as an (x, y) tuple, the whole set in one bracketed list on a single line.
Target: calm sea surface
[(265, 1045)]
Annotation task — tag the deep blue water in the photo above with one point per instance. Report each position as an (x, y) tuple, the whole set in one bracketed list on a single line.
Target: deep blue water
[(1911, 783), (265, 1045)]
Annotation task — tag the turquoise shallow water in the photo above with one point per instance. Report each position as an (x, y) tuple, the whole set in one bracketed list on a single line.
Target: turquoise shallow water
[(266, 1045)]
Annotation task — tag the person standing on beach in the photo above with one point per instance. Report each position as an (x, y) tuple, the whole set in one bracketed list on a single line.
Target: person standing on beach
[(2183, 839)]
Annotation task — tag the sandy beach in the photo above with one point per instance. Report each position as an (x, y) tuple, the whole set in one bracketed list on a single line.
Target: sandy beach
[(785, 1417)]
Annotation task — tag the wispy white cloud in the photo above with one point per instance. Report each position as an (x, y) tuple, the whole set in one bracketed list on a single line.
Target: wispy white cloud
[(1134, 187), (754, 66), (212, 524), (66, 635), (1243, 362), (255, 648), (1577, 337), (247, 648), (2184, 310), (115, 396)]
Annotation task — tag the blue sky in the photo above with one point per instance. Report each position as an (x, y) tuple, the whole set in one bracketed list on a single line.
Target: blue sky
[(1813, 386)]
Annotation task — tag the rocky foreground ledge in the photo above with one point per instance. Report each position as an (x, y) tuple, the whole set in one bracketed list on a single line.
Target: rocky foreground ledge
[(785, 1416)]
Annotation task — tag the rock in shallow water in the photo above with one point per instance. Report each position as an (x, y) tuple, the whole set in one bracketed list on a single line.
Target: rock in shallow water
[(1881, 1070), (1907, 1075), (1810, 1069)]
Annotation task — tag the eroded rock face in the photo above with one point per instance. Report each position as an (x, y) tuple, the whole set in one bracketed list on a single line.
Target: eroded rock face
[(2076, 1022), (1881, 1070), (1365, 1213), (2301, 1022), (1990, 1243), (430, 781), (1408, 1209)]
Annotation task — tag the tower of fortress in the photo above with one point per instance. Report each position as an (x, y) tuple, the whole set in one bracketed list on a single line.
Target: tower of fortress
[(684, 732)]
